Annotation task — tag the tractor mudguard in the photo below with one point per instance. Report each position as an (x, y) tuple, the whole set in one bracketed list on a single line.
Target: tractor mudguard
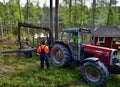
[(90, 59)]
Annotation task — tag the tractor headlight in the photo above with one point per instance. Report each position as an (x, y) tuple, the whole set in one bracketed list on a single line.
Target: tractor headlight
[(114, 54), (114, 58)]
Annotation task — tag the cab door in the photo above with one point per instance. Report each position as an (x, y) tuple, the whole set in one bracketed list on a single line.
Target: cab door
[(74, 44)]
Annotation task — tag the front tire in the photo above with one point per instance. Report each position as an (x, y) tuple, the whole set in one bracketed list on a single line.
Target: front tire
[(95, 73), (60, 55)]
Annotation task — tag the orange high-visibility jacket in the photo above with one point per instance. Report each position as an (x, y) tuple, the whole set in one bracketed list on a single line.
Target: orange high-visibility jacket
[(46, 49)]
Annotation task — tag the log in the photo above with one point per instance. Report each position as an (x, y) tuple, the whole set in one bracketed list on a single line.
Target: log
[(19, 50)]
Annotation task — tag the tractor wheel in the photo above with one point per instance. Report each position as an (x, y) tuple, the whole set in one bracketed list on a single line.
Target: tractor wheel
[(95, 73), (60, 55)]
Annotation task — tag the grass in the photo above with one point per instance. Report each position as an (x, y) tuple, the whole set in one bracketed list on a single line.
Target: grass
[(25, 72), (17, 71)]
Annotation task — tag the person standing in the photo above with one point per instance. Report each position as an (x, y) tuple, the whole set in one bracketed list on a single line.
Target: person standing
[(43, 50)]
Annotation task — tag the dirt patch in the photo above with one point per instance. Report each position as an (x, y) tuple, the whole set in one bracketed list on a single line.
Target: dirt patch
[(3, 40), (5, 70), (78, 83), (2, 74)]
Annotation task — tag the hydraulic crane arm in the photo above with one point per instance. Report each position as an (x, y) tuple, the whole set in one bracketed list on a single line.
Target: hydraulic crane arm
[(21, 24)]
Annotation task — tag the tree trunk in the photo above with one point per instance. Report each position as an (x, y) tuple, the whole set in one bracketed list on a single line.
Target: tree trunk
[(70, 10), (94, 11), (27, 16), (109, 13), (4, 23), (1, 29), (81, 19), (11, 16), (75, 13), (19, 10), (56, 19), (51, 16)]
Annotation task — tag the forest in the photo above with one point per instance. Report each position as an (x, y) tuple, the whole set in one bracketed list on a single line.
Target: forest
[(71, 13), (19, 70)]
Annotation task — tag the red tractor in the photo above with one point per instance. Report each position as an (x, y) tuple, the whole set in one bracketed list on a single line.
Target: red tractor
[(96, 62)]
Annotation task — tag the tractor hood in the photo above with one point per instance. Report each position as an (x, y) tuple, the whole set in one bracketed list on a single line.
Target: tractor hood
[(104, 54), (97, 48)]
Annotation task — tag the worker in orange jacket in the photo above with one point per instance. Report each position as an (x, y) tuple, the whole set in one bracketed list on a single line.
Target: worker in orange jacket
[(43, 50)]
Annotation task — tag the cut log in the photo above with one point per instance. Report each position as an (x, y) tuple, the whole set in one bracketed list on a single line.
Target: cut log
[(18, 51)]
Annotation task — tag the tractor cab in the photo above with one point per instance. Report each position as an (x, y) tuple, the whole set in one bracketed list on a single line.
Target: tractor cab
[(76, 38)]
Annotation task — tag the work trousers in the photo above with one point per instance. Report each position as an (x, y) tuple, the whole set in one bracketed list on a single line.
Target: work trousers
[(42, 59)]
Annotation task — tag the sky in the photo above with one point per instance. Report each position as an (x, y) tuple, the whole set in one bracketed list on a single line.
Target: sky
[(22, 2)]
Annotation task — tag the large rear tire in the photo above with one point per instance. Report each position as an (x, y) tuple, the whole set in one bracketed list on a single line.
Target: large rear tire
[(60, 55), (95, 73)]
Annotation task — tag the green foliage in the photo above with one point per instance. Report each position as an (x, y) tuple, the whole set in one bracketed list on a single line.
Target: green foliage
[(11, 37), (78, 15), (1, 56), (1, 10)]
